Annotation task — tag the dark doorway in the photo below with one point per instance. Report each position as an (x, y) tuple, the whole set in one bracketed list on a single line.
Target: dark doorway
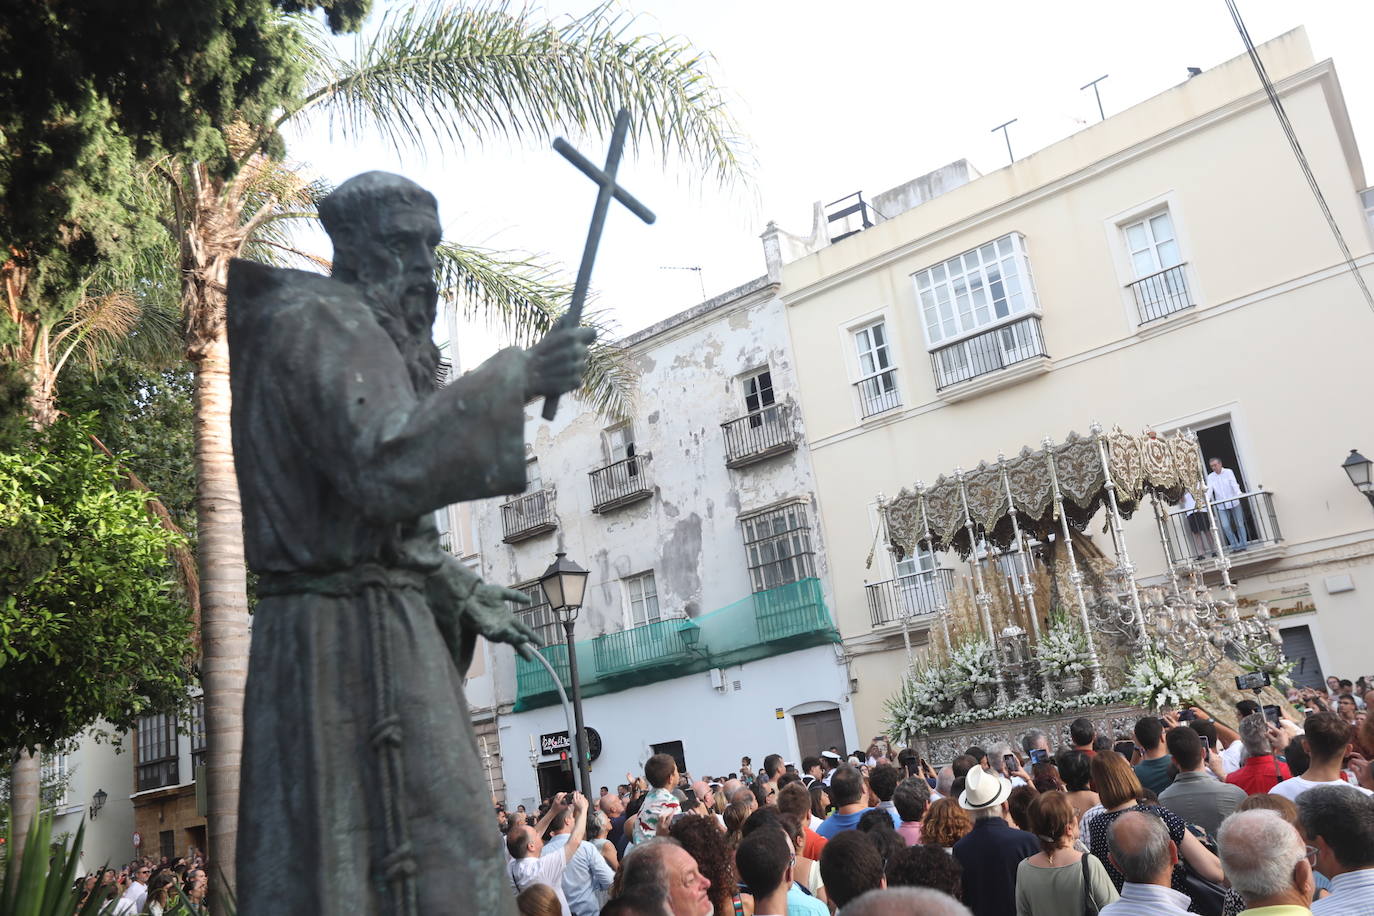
[(167, 844), (673, 749), (1217, 442), (817, 731), (554, 777), (1302, 652)]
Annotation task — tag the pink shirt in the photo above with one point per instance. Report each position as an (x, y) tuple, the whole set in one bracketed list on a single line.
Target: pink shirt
[(911, 832)]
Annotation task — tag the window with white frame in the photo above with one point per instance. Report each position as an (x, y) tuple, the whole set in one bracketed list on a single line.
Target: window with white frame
[(877, 382), (976, 289), (1160, 287), (620, 442), (1152, 244), (533, 482), (53, 779), (758, 390), (641, 592), (777, 545), (922, 561)]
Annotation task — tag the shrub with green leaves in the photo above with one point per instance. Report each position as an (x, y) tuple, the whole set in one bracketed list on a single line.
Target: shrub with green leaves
[(91, 626)]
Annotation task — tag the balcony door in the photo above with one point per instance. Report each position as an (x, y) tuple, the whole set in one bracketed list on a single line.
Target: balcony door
[(758, 394), (916, 583), (1217, 442)]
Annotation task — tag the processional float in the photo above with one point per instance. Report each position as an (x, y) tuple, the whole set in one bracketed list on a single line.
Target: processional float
[(1041, 501)]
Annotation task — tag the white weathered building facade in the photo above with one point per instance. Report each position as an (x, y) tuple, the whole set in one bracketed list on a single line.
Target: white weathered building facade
[(706, 630)]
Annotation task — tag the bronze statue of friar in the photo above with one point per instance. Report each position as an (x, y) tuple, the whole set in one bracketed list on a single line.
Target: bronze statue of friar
[(362, 788)]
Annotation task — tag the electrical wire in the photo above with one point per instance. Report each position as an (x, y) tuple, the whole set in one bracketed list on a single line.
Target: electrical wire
[(1277, 104)]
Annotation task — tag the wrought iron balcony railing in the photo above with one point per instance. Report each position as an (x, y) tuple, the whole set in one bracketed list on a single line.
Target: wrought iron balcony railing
[(758, 435), (878, 393), (1161, 293), (528, 515), (988, 351), (1246, 523), (905, 597), (621, 483), (659, 643)]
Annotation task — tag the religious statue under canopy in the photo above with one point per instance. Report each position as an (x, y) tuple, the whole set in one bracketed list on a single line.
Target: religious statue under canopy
[(361, 784)]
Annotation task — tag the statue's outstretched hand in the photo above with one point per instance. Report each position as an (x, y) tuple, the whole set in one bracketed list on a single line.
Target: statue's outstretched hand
[(557, 362), (486, 612)]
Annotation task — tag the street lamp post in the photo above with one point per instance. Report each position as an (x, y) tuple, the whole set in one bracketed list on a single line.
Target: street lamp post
[(564, 584), (1360, 470)]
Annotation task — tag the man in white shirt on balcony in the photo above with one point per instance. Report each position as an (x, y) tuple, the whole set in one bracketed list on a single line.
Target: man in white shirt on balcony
[(1223, 493)]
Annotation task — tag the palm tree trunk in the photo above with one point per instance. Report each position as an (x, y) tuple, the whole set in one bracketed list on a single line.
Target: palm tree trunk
[(211, 237), (24, 804), (224, 605)]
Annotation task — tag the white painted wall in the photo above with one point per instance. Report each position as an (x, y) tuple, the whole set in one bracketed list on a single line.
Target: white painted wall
[(109, 836), (715, 728)]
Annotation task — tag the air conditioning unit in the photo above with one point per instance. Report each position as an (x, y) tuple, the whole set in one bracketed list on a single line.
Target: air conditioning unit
[(718, 679)]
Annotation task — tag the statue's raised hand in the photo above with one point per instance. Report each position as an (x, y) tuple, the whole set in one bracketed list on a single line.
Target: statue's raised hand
[(557, 362), (486, 612)]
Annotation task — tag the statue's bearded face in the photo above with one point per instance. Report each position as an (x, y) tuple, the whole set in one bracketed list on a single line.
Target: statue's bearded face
[(395, 268)]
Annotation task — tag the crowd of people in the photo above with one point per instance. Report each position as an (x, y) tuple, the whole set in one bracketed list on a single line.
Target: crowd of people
[(148, 886), (1183, 814)]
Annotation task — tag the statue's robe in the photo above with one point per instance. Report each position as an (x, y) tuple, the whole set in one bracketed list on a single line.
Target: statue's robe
[(362, 790)]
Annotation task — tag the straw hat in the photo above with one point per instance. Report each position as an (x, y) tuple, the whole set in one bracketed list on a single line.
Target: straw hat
[(983, 790)]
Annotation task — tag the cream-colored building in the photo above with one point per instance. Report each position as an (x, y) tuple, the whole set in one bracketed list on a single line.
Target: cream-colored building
[(1166, 268)]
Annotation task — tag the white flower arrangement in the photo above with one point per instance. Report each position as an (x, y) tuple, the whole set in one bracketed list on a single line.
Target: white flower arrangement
[(974, 663), (1161, 682), (907, 721), (1063, 647)]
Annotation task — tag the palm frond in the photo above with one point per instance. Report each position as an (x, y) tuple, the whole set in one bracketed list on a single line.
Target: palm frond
[(611, 382), (512, 292), (522, 298), (96, 326), (461, 75)]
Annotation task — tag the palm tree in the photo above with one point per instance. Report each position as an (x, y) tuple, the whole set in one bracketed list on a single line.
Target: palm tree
[(460, 75), (106, 319)]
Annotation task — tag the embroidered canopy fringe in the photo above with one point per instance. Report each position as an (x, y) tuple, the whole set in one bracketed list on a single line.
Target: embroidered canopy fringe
[(1165, 466)]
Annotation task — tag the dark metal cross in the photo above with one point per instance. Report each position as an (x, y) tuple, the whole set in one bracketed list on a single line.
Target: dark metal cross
[(607, 189)]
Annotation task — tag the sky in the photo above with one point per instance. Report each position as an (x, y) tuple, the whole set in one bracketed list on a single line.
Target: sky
[(833, 98)]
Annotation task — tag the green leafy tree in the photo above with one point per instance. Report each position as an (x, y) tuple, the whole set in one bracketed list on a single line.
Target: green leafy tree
[(87, 88), (91, 627)]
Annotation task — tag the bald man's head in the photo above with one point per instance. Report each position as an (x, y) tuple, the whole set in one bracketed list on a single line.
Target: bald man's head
[(904, 901), (1141, 849), (611, 805)]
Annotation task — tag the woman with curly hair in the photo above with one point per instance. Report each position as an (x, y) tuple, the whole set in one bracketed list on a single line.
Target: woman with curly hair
[(945, 824), (703, 839)]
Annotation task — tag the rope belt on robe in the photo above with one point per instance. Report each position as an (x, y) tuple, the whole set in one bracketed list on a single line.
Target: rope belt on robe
[(385, 737)]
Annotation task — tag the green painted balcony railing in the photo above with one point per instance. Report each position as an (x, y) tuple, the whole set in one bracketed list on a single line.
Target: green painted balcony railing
[(764, 624), (663, 642)]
